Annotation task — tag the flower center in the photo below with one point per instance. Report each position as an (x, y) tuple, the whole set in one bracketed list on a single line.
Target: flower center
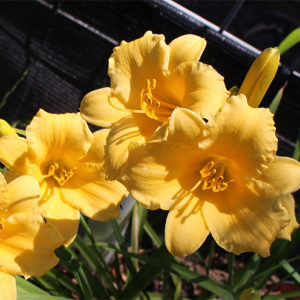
[(212, 177), (154, 108), (59, 173)]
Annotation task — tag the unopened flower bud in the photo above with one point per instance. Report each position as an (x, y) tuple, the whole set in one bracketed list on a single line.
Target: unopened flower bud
[(260, 76)]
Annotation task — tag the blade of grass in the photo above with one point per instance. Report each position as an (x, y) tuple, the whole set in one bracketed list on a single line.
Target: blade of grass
[(292, 39), (88, 284), (277, 99), (203, 281), (12, 90), (296, 154), (290, 270), (292, 294), (93, 262), (242, 276), (148, 272), (26, 287), (106, 271), (51, 285), (123, 247), (152, 234), (210, 256), (139, 214)]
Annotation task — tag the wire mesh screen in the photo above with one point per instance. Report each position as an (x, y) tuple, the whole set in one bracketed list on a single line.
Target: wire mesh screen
[(65, 46)]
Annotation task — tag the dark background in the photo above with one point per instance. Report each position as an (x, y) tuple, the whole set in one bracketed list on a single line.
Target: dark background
[(66, 45)]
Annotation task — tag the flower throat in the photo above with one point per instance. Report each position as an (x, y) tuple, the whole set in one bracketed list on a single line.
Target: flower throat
[(59, 173)]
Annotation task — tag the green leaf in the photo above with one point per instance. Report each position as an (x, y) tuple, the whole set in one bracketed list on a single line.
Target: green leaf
[(147, 273), (152, 234), (243, 275), (291, 39), (277, 99), (296, 153), (89, 286), (203, 281), (291, 294), (25, 286), (290, 270), (12, 90)]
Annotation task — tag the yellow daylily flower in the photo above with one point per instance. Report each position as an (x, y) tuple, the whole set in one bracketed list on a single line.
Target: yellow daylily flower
[(260, 76), (27, 243), (149, 79), (8, 289), (66, 158), (221, 177)]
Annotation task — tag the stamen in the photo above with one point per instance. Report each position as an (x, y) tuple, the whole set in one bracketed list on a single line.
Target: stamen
[(59, 173), (212, 177), (154, 108)]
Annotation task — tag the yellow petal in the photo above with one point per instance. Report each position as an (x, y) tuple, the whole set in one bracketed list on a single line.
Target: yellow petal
[(13, 152), (245, 136), (5, 199), (196, 86), (185, 48), (88, 190), (185, 229), (95, 108), (283, 174), (137, 128), (242, 221), (131, 64), (24, 192), (288, 202), (159, 175), (6, 129), (60, 214), (27, 245), (186, 125), (8, 290), (62, 137), (260, 76)]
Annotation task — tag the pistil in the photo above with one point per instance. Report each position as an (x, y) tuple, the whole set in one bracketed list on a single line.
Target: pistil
[(59, 173)]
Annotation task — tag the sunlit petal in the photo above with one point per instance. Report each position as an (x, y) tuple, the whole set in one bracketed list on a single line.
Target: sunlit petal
[(186, 125), (89, 191), (159, 176), (63, 137), (27, 245), (288, 202), (196, 86), (95, 108), (13, 151), (134, 62), (24, 192), (58, 213), (283, 174), (238, 217), (8, 289), (185, 229), (138, 129), (185, 48), (244, 135)]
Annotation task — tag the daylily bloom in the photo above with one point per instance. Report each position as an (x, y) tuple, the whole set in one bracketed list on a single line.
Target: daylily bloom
[(254, 87), (221, 177), (27, 243), (66, 158), (149, 79)]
